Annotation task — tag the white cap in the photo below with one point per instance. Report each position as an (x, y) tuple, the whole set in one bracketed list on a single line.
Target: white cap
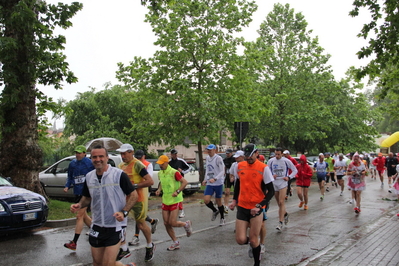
[(125, 147), (321, 154), (238, 154), (286, 152)]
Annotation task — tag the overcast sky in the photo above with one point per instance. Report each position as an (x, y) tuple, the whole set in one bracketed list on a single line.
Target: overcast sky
[(107, 32)]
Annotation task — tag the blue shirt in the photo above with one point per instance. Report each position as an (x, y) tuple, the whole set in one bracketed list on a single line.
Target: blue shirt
[(77, 171)]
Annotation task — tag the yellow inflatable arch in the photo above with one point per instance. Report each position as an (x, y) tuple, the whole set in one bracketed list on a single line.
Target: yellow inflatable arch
[(388, 142)]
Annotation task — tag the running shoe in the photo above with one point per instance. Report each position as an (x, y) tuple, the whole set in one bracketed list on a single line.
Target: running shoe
[(305, 207), (214, 215), (279, 226), (262, 248), (154, 225), (350, 201), (301, 204), (321, 197), (71, 245), (390, 190), (286, 218), (356, 209), (222, 222), (341, 193), (135, 241), (149, 253), (188, 227), (182, 214), (327, 189), (226, 210), (174, 246), (250, 252), (123, 254), (397, 214)]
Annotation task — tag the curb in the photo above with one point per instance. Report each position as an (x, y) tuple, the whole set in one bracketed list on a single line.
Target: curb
[(60, 223)]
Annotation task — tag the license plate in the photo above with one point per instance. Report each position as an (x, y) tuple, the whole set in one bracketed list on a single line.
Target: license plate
[(30, 216)]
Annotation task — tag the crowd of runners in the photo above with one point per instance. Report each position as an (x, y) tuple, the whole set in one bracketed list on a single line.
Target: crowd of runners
[(255, 182)]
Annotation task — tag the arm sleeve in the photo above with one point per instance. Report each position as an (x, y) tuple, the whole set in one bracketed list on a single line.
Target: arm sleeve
[(125, 184), (220, 165), (150, 169), (293, 169), (85, 191), (178, 176), (236, 189), (269, 193), (185, 167), (69, 180), (144, 172)]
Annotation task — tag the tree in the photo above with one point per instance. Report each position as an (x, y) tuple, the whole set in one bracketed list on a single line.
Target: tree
[(293, 71), (29, 54), (385, 46), (91, 116), (190, 85)]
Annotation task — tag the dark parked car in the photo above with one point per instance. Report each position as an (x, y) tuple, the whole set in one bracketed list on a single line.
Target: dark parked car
[(20, 208)]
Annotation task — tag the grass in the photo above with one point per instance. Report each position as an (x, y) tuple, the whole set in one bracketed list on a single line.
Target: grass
[(59, 210)]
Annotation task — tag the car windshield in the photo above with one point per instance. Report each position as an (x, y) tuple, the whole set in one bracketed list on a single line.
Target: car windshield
[(4, 182)]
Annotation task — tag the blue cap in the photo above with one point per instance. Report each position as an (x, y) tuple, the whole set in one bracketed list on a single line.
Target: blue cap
[(211, 147)]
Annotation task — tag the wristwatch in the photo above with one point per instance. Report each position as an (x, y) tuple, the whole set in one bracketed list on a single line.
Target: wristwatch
[(125, 213), (178, 191), (258, 206)]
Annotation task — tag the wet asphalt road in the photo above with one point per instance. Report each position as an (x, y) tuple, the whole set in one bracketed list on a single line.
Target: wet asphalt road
[(307, 233)]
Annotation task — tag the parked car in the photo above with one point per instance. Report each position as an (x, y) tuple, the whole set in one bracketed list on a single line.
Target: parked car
[(20, 208), (192, 178), (53, 179)]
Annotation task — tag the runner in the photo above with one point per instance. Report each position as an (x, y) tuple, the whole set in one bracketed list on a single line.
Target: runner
[(379, 163), (340, 169), (372, 167), (320, 167), (214, 180), (287, 155), (171, 183), (303, 180), (280, 167), (356, 172), (250, 197), (330, 171), (391, 163)]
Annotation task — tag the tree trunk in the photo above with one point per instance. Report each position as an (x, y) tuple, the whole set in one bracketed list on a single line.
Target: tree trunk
[(201, 162), (20, 154)]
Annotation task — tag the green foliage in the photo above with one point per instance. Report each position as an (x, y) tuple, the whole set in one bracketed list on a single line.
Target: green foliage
[(384, 47), (306, 103), (59, 210), (189, 86)]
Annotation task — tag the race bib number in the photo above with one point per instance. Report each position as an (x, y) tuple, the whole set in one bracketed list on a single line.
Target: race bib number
[(80, 179), (93, 233)]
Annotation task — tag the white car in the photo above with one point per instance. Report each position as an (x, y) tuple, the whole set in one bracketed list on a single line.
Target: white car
[(53, 179)]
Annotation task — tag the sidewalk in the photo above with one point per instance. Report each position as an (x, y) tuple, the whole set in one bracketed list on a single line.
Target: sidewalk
[(375, 243)]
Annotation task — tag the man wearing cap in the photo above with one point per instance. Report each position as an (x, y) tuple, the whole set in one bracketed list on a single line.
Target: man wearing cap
[(214, 180), (228, 161), (77, 170), (340, 169), (320, 168), (171, 184), (379, 163), (330, 171), (252, 194), (280, 167), (287, 155), (139, 154), (141, 180), (182, 166)]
